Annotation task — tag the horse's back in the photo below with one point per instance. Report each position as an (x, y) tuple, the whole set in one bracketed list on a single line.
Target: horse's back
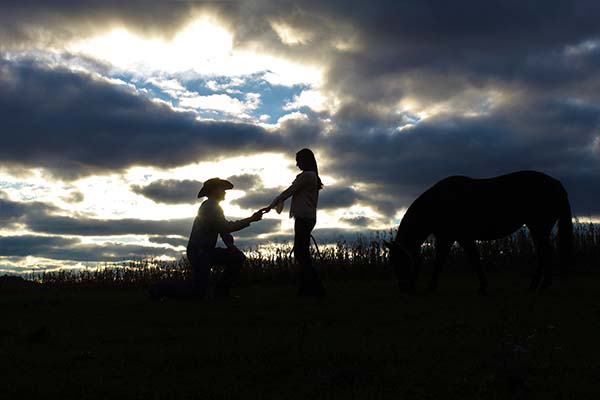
[(520, 187), (491, 207)]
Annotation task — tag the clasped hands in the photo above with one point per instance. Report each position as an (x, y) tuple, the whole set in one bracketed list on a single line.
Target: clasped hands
[(257, 216)]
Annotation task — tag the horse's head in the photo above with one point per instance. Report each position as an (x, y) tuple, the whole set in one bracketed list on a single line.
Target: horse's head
[(403, 262)]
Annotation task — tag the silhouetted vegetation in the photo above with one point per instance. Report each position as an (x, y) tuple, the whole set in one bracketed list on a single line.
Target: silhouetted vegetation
[(364, 258)]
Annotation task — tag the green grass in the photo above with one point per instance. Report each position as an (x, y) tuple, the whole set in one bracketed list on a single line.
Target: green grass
[(365, 340)]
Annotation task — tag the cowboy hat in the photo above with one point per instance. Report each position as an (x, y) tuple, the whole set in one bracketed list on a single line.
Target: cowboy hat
[(212, 184)]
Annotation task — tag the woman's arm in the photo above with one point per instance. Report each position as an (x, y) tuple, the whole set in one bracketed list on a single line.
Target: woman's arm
[(301, 180)]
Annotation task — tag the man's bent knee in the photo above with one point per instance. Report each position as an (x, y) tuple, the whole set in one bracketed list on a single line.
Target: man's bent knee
[(238, 257)]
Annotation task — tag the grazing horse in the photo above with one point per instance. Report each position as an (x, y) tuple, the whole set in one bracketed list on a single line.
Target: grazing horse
[(464, 210)]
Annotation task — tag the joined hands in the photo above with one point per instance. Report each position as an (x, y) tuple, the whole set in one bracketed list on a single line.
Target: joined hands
[(257, 216)]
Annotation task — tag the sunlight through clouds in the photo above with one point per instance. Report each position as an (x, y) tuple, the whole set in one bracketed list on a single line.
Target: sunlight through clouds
[(290, 35), (204, 46), (198, 45)]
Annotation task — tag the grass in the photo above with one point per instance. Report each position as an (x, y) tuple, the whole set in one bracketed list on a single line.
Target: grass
[(95, 334), (365, 340)]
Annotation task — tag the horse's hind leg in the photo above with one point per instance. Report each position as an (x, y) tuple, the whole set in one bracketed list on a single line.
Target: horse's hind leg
[(442, 248), (472, 251)]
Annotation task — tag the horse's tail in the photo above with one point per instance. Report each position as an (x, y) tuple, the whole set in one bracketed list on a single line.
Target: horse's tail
[(565, 234)]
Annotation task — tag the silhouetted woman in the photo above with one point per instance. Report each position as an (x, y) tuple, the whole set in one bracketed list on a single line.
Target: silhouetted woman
[(305, 196)]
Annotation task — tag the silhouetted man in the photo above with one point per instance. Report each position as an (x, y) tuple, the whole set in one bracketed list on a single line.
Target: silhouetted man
[(201, 251), (208, 224)]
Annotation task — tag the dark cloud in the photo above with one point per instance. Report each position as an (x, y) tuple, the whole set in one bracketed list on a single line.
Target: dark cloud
[(12, 212), (42, 218), (104, 227), (358, 221), (170, 191), (71, 249), (74, 197), (245, 181), (332, 197), (112, 252), (91, 126), (173, 241), (29, 245), (257, 199), (264, 226), (555, 137), (473, 44), (34, 22)]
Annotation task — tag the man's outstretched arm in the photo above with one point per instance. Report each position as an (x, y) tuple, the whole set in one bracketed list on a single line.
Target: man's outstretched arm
[(225, 226)]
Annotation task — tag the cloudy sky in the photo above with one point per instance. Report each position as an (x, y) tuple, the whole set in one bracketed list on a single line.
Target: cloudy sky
[(113, 113)]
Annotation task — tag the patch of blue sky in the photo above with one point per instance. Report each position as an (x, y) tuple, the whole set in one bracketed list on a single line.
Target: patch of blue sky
[(153, 90), (410, 118), (273, 98), (27, 191)]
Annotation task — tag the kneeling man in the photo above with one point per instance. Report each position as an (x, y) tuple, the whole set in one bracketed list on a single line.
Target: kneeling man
[(201, 251)]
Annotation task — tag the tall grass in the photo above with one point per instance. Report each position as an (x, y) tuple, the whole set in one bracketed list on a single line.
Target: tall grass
[(364, 258)]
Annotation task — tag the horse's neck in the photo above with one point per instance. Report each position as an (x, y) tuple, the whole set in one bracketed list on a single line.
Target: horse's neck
[(412, 232)]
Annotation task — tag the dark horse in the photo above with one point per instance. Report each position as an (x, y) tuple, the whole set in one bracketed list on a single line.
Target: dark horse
[(463, 210)]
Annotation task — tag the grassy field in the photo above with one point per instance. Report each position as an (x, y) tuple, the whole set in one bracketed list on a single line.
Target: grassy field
[(365, 340)]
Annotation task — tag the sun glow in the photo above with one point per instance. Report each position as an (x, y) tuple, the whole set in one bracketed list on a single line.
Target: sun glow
[(204, 46), (198, 44)]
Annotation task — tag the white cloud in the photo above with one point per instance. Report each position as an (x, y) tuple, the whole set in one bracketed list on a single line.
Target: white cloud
[(221, 102), (170, 86), (292, 116), (312, 98), (290, 35), (252, 101), (296, 115), (219, 86)]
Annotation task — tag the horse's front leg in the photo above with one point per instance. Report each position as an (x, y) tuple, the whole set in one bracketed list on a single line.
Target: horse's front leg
[(442, 248), (543, 272), (470, 247), (545, 261)]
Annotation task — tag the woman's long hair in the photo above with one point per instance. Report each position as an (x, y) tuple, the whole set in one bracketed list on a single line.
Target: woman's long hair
[(306, 158)]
